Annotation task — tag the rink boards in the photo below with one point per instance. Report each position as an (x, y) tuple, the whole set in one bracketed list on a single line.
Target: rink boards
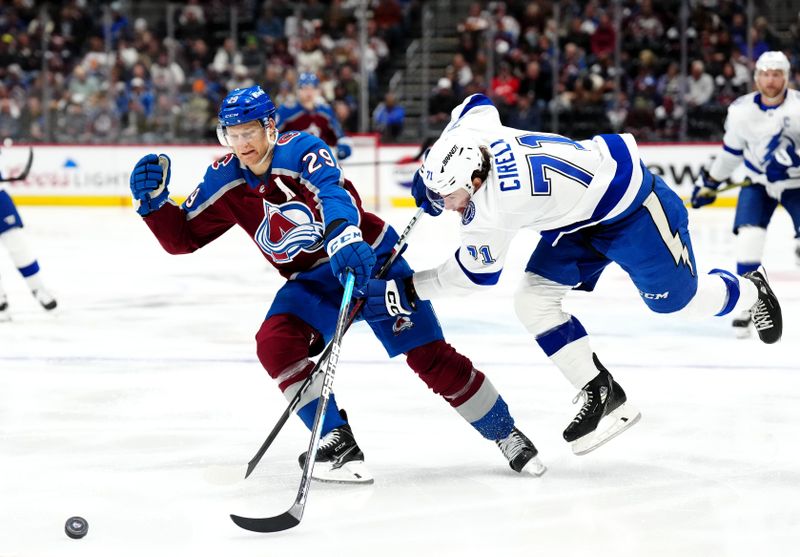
[(88, 175)]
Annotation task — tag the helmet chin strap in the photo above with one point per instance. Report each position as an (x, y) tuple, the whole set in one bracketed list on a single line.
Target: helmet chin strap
[(272, 139)]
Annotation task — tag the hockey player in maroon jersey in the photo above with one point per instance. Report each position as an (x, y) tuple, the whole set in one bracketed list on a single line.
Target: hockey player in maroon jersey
[(289, 195), (310, 114)]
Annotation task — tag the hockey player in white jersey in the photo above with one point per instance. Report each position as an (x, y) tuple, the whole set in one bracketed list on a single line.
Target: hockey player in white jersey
[(593, 202), (12, 237), (762, 130)]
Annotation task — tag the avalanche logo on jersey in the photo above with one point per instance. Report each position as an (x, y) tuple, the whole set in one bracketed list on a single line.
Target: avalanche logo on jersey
[(286, 230), (402, 323)]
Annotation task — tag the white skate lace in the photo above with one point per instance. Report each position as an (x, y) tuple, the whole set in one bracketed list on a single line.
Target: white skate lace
[(512, 445), (331, 439), (761, 317), (587, 395)]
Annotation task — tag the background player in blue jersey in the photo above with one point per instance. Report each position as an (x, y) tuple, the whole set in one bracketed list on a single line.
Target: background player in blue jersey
[(290, 196), (12, 237), (594, 202), (762, 131), (311, 114)]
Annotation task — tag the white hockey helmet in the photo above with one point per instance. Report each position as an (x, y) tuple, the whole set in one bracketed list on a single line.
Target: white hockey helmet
[(451, 163), (774, 60)]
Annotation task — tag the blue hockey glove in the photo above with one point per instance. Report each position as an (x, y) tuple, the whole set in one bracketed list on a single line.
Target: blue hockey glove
[(777, 167), (430, 202), (705, 190), (386, 299), (343, 149), (348, 251), (149, 181)]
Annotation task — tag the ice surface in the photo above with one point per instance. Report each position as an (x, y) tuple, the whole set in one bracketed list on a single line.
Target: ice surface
[(140, 402)]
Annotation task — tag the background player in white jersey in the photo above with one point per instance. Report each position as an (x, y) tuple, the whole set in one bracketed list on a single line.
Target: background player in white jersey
[(12, 237), (762, 131), (593, 202)]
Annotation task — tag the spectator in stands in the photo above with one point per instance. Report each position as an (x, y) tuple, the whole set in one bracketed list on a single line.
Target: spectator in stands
[(441, 103), (462, 72), (728, 86), (269, 26), (536, 84), (604, 37), (389, 117), (504, 89), (197, 112), (9, 119), (526, 114), (700, 88), (227, 57), (192, 21)]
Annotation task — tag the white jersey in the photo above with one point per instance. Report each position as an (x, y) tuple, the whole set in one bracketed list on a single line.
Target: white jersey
[(543, 182), (755, 134)]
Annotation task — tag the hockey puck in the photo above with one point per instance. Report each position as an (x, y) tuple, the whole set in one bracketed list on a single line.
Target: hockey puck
[(76, 527)]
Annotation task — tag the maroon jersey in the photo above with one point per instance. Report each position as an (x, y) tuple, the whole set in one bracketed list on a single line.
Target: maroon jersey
[(285, 212)]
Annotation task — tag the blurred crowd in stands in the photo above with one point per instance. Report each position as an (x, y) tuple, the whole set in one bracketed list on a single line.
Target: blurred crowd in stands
[(648, 100), (99, 72)]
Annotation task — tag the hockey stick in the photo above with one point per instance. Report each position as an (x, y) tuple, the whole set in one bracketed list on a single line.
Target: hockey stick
[(398, 247), (25, 171), (733, 185), (292, 517)]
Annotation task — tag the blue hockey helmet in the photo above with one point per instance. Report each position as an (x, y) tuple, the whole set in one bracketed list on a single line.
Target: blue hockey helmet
[(245, 105), (308, 79)]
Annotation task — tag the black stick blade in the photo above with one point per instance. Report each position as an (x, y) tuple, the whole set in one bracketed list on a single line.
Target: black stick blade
[(264, 525)]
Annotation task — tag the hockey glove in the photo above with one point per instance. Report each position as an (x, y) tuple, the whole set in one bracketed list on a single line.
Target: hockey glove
[(429, 201), (778, 166), (386, 299), (149, 181), (343, 149), (348, 251), (705, 190)]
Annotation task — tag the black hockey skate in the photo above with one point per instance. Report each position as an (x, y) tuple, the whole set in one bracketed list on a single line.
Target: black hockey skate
[(766, 312), (5, 315), (45, 299), (521, 454), (605, 413), (339, 459)]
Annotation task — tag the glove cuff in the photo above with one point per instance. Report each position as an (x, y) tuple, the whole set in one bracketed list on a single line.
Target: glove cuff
[(411, 292), (349, 235)]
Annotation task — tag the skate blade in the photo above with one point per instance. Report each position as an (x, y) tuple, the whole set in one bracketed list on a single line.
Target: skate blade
[(742, 332), (609, 427), (353, 472), (534, 467)]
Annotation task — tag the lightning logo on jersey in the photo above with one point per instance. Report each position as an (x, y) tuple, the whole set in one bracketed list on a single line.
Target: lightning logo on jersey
[(286, 230)]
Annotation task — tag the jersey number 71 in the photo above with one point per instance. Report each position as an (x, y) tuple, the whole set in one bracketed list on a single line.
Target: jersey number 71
[(546, 169)]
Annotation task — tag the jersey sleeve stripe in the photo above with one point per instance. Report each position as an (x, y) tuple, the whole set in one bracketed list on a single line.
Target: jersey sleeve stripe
[(475, 101), (753, 167), (482, 279), (199, 204), (732, 151)]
